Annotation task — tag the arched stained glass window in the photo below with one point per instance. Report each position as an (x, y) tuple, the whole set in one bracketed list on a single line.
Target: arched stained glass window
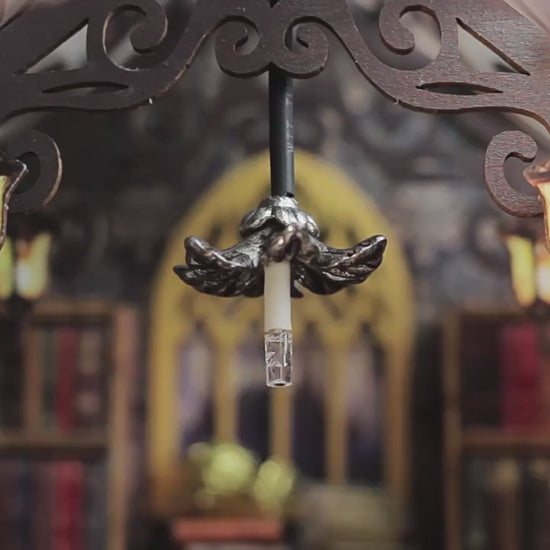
[(364, 403), (345, 418)]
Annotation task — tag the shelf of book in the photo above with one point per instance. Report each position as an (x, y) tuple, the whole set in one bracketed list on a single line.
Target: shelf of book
[(497, 430), (490, 440), (61, 442), (65, 436)]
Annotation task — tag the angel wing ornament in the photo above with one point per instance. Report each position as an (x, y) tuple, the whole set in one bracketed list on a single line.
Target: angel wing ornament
[(278, 231)]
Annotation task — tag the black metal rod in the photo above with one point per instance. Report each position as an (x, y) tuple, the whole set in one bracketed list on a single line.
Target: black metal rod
[(281, 133)]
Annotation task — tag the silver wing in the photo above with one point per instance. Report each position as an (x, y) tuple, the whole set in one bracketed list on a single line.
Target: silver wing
[(230, 272), (321, 268)]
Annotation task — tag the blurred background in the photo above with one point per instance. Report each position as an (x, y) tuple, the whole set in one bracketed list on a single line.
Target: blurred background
[(133, 410)]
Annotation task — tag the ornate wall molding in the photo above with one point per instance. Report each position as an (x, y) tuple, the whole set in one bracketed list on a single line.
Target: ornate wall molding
[(251, 38)]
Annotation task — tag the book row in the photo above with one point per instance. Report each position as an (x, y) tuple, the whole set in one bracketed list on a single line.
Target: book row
[(506, 504), (61, 383), (505, 382), (52, 505)]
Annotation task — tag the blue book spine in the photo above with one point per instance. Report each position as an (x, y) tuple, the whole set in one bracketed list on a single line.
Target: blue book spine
[(95, 507)]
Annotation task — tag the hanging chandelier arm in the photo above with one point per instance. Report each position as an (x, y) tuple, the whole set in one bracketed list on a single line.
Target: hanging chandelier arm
[(281, 133)]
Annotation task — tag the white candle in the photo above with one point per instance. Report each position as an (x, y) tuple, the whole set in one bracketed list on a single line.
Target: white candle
[(277, 325), (277, 309)]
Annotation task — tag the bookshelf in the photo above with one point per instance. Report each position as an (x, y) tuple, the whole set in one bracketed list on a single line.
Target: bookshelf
[(67, 441), (497, 430)]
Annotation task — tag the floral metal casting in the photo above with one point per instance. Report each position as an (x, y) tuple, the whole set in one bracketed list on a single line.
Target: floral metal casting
[(278, 231)]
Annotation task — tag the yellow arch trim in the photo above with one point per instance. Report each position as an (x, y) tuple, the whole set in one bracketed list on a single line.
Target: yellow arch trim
[(384, 302)]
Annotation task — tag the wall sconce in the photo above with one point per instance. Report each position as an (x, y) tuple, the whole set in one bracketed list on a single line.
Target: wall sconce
[(25, 263), (529, 267), (538, 177), (24, 256)]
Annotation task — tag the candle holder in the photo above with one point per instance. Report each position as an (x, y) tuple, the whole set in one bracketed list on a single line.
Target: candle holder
[(278, 231), (279, 254), (538, 177)]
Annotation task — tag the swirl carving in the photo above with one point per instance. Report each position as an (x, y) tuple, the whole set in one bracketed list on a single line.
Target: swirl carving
[(502, 147), (254, 36)]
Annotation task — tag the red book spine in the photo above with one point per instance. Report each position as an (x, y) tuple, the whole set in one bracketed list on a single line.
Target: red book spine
[(65, 382), (545, 376), (67, 525), (4, 499), (521, 369), (76, 493)]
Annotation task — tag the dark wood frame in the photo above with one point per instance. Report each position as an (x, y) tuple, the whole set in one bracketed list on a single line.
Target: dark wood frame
[(442, 85)]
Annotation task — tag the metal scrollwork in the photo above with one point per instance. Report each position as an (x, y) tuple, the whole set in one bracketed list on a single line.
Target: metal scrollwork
[(45, 186), (444, 84), (278, 231), (11, 173)]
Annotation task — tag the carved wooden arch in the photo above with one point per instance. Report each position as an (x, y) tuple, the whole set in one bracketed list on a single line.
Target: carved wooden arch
[(442, 85), (386, 304)]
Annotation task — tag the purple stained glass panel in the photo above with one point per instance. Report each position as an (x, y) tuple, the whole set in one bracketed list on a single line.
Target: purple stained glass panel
[(195, 386)]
